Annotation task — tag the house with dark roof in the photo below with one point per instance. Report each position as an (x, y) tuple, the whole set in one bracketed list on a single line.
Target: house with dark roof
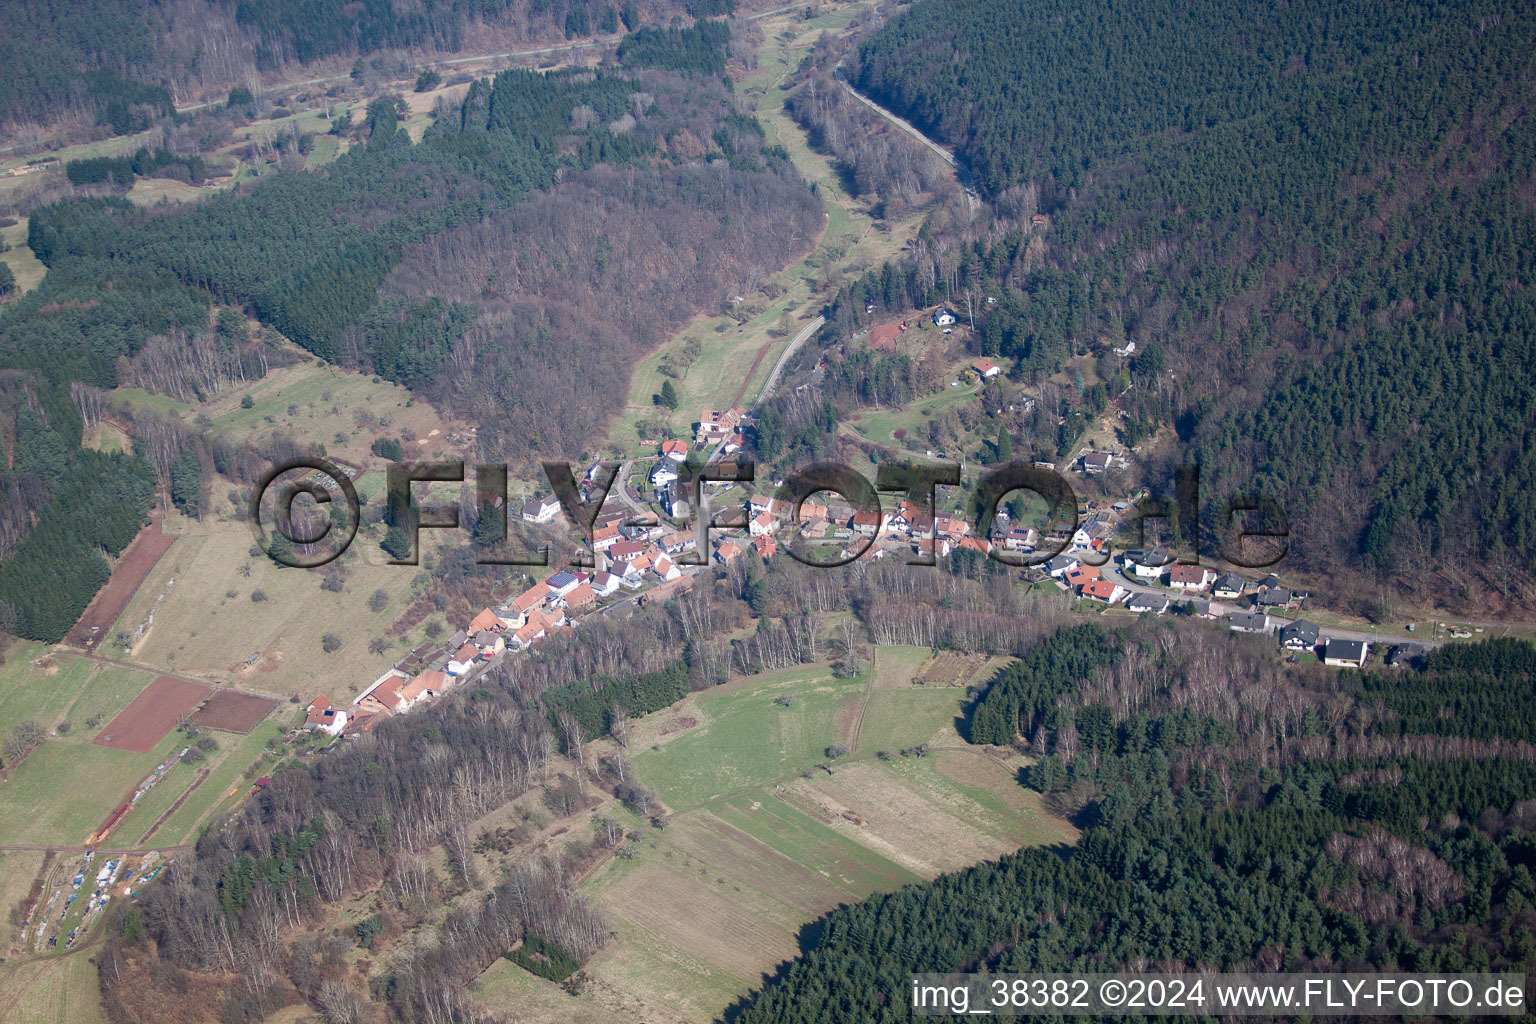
[(1095, 463), (1228, 586), (1273, 597), (1300, 635), (1345, 653), (541, 510), (1157, 604), (1249, 622), (1061, 565), (1148, 565)]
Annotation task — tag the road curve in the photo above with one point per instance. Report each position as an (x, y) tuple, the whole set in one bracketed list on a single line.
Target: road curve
[(783, 361), (962, 174)]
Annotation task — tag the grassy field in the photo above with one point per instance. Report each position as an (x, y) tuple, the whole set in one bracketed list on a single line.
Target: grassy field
[(743, 738), (58, 687), (206, 623), (757, 846), (25, 267), (914, 416), (149, 191), (54, 990), (506, 984), (213, 796), (18, 869), (62, 791), (322, 404)]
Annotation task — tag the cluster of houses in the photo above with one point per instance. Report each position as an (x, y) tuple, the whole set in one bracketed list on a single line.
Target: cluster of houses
[(515, 624), (907, 527)]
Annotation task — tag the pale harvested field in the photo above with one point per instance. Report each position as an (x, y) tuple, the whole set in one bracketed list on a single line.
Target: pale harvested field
[(206, 625), (895, 667), (59, 989)]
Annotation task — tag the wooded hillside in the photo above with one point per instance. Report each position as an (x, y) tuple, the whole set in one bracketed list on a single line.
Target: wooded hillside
[(1267, 824), (1322, 219)]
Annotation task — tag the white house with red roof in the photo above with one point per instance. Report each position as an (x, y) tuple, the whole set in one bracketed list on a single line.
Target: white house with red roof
[(322, 716)]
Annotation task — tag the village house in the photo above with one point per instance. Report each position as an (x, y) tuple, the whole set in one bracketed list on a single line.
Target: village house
[(761, 524), (1148, 565), (932, 548), (1273, 597), (562, 583), (663, 473), (674, 450), (1249, 622), (765, 547), (321, 716), (1190, 577), (1061, 565), (714, 426), (1020, 539), (919, 526), (865, 524), (1345, 653), (487, 619), (948, 526), (665, 571), (986, 369), (727, 552), (425, 687), (1300, 635), (1081, 575), (676, 543), (943, 317), (604, 583), (625, 551), (1156, 604), (1103, 590), (581, 598), (541, 510), (1095, 463), (383, 695), (526, 602), (462, 660), (1229, 587), (490, 642), (673, 500)]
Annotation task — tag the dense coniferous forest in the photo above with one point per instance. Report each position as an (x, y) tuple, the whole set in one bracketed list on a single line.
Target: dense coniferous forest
[(1235, 820), (1321, 217), (699, 49)]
